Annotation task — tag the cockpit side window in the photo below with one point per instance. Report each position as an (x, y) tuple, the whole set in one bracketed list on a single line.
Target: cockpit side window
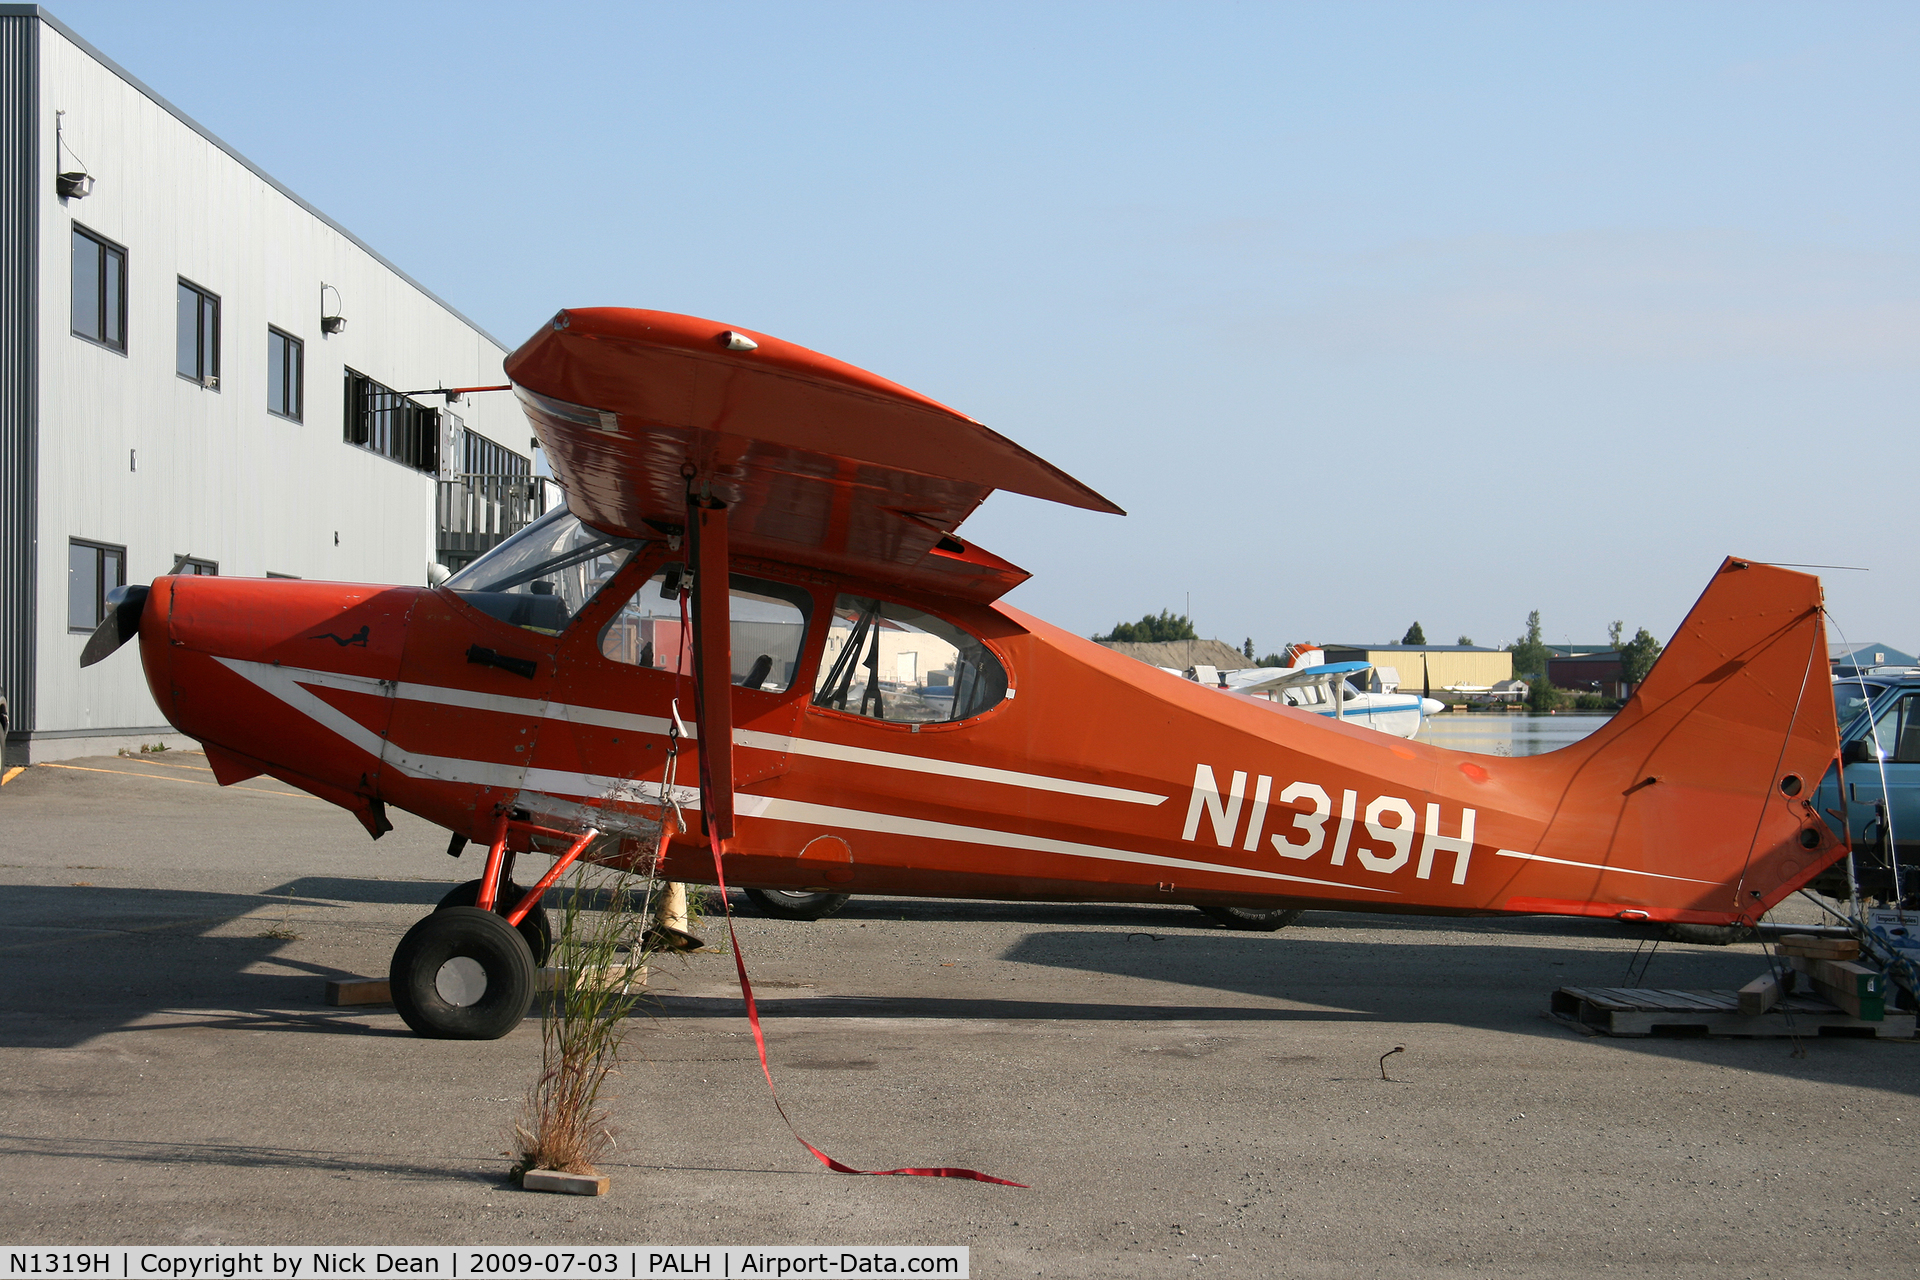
[(891, 662), (767, 634), (544, 575)]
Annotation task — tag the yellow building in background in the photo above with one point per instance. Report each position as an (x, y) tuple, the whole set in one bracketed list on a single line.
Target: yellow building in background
[(1456, 668)]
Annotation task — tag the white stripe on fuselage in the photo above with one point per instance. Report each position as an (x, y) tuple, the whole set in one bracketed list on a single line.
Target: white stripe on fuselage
[(1595, 866), (286, 684), (574, 714)]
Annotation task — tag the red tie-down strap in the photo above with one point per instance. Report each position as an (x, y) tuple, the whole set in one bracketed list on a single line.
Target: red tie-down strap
[(716, 735), (760, 1042)]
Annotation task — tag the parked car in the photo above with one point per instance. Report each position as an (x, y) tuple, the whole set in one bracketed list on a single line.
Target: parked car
[(1875, 793)]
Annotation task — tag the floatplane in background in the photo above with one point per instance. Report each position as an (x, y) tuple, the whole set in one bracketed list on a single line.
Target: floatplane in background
[(755, 539), (1325, 688)]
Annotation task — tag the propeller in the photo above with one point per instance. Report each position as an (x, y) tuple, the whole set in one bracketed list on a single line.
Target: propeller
[(121, 624)]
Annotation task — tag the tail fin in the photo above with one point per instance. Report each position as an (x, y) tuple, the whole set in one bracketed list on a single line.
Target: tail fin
[(1701, 789)]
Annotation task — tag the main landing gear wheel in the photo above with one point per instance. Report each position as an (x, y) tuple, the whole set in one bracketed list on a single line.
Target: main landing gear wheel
[(535, 927), (1253, 919), (462, 974), (795, 904)]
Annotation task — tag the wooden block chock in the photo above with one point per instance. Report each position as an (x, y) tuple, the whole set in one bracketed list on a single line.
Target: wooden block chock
[(1853, 987), (1760, 995), (342, 991), (566, 1184), (1813, 947)]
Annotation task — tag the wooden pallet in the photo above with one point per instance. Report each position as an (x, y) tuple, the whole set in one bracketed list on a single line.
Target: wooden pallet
[(1644, 1011)]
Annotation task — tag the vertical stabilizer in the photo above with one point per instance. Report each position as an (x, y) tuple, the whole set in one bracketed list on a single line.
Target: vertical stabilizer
[(1700, 791)]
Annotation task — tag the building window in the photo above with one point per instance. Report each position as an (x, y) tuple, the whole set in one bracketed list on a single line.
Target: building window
[(93, 569), (192, 565), (197, 349), (99, 291), (485, 458), (286, 369), (381, 419)]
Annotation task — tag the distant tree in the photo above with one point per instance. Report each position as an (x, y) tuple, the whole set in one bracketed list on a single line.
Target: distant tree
[(1153, 627), (1466, 641), (1271, 660), (1247, 648), (1529, 653), (1614, 632), (1414, 635), (1637, 656), (1542, 696)]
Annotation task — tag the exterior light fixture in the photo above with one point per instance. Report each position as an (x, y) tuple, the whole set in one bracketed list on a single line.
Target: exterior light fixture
[(73, 184), (738, 342), (330, 321)]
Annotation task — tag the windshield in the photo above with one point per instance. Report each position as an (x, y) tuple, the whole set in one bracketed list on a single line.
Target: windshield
[(542, 576), (1850, 698)]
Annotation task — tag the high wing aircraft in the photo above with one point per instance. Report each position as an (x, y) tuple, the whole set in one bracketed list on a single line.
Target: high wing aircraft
[(758, 550)]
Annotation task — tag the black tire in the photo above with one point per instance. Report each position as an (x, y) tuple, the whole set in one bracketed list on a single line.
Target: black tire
[(462, 974), (796, 904), (535, 927), (1253, 919), (1707, 935)]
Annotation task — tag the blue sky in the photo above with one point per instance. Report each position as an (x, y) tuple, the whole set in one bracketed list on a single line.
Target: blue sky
[(1365, 312)]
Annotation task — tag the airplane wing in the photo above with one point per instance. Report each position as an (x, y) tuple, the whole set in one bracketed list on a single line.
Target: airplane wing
[(822, 464), (1289, 678)]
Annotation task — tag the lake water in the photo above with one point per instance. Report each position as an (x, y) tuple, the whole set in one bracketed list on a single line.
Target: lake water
[(1507, 733)]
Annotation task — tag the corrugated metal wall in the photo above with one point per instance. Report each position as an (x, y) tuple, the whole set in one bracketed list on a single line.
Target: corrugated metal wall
[(19, 357)]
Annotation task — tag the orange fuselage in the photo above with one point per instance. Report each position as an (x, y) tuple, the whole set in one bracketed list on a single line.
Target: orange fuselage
[(1096, 778)]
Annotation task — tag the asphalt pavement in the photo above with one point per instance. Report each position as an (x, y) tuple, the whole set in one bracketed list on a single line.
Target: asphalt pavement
[(1181, 1100)]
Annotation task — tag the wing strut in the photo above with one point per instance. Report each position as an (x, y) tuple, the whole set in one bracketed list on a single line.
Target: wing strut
[(712, 662)]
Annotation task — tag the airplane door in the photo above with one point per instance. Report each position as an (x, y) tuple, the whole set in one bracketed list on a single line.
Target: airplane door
[(467, 711), (479, 668), (623, 670)]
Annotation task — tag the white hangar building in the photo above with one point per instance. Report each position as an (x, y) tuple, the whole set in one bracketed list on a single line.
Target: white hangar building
[(201, 371)]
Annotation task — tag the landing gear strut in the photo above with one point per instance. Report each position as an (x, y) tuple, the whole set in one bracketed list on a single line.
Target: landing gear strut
[(467, 971)]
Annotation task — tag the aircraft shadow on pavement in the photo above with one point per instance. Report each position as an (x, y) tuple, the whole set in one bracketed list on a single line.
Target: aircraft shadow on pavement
[(1475, 974), (1181, 918), (78, 961), (1499, 985), (228, 1155)]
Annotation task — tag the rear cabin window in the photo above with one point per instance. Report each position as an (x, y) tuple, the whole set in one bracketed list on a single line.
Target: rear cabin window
[(891, 662), (768, 629), (545, 574)]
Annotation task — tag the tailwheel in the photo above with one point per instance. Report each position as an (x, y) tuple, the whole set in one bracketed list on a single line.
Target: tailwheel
[(1253, 919), (535, 927), (462, 974), (796, 904)]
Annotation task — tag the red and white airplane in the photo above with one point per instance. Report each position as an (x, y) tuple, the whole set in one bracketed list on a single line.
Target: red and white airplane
[(758, 550)]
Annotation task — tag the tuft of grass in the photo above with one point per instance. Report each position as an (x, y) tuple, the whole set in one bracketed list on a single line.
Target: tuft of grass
[(563, 1124)]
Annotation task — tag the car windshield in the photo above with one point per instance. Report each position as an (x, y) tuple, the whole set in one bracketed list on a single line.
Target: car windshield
[(542, 576), (1850, 698)]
